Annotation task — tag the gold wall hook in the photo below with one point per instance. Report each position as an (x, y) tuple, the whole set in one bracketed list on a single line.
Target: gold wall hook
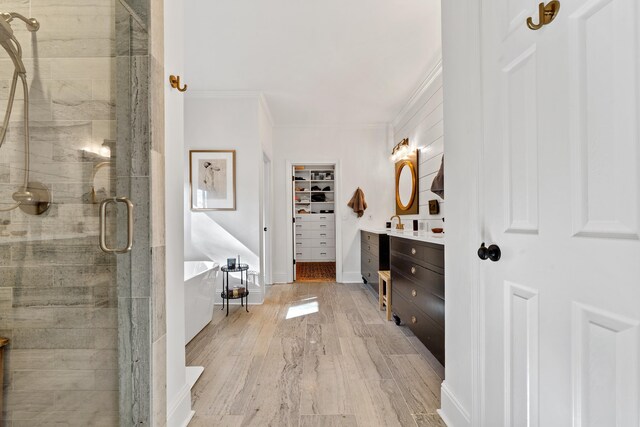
[(175, 83), (547, 13)]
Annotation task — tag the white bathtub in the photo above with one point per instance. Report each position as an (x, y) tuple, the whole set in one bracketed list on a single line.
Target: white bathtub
[(200, 279)]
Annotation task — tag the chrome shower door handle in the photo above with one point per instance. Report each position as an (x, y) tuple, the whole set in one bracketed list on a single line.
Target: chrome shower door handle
[(103, 225)]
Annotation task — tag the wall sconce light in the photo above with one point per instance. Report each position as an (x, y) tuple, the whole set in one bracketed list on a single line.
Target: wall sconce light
[(400, 150)]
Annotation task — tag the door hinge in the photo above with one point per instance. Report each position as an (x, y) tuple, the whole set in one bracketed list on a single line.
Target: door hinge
[(294, 219), (294, 262)]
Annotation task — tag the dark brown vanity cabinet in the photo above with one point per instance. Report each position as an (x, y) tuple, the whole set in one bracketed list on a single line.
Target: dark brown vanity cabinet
[(417, 274), (374, 256)]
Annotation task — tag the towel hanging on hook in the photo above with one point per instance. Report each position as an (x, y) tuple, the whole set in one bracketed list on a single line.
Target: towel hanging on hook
[(357, 202)]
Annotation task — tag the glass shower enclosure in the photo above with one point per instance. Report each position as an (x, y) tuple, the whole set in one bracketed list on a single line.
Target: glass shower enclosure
[(75, 240)]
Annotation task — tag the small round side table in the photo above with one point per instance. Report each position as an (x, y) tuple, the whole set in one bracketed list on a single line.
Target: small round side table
[(242, 269)]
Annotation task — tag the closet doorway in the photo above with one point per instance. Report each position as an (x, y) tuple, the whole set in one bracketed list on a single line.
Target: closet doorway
[(314, 222)]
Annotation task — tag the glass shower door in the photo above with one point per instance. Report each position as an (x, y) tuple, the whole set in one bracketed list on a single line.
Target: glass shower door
[(67, 297)]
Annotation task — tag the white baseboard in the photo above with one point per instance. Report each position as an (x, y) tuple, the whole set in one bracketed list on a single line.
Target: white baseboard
[(451, 410), (189, 418), (236, 302), (193, 374), (352, 277), (279, 278), (179, 411), (347, 277)]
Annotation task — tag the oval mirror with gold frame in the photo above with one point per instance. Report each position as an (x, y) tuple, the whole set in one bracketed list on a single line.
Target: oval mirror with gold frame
[(407, 185)]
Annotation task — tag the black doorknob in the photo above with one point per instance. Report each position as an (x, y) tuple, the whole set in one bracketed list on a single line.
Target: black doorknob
[(483, 252), (493, 252)]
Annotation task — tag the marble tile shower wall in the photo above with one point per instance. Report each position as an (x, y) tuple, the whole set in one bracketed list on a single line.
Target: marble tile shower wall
[(58, 291)]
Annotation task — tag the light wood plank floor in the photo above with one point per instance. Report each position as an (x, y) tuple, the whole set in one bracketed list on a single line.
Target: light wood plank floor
[(314, 355)]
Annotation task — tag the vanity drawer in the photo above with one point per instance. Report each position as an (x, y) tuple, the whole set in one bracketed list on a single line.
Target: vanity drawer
[(371, 276), (424, 278), (369, 261), (323, 254), (371, 238), (430, 304), (421, 252), (425, 328), (370, 248)]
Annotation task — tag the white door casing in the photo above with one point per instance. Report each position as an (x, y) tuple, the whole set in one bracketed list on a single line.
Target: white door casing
[(561, 197)]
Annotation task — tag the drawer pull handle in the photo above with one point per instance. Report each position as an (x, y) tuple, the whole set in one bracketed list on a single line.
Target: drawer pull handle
[(323, 243), (298, 243), (368, 237), (414, 293), (323, 217), (414, 320), (298, 234), (413, 251), (413, 270), (323, 253), (323, 234), (323, 226)]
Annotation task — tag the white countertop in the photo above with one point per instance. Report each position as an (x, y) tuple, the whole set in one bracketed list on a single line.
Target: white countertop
[(421, 236), (376, 230)]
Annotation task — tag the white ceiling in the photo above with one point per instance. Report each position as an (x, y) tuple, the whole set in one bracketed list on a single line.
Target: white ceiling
[(322, 62)]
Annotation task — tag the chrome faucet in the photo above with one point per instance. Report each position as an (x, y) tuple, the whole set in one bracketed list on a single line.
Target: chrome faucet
[(399, 226)]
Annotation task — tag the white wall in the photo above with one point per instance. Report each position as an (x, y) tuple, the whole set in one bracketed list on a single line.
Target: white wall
[(422, 122), (178, 392), (364, 162), (227, 122)]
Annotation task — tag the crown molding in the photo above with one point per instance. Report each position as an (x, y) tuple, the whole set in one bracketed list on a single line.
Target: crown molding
[(334, 126), (224, 94), (262, 99), (420, 90)]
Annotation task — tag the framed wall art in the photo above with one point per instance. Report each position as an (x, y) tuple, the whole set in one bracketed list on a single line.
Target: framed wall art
[(212, 178)]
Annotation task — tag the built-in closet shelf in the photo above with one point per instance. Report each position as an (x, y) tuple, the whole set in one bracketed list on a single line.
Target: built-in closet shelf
[(314, 230)]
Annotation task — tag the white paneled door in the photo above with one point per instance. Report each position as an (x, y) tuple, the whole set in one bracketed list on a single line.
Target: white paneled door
[(561, 199)]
